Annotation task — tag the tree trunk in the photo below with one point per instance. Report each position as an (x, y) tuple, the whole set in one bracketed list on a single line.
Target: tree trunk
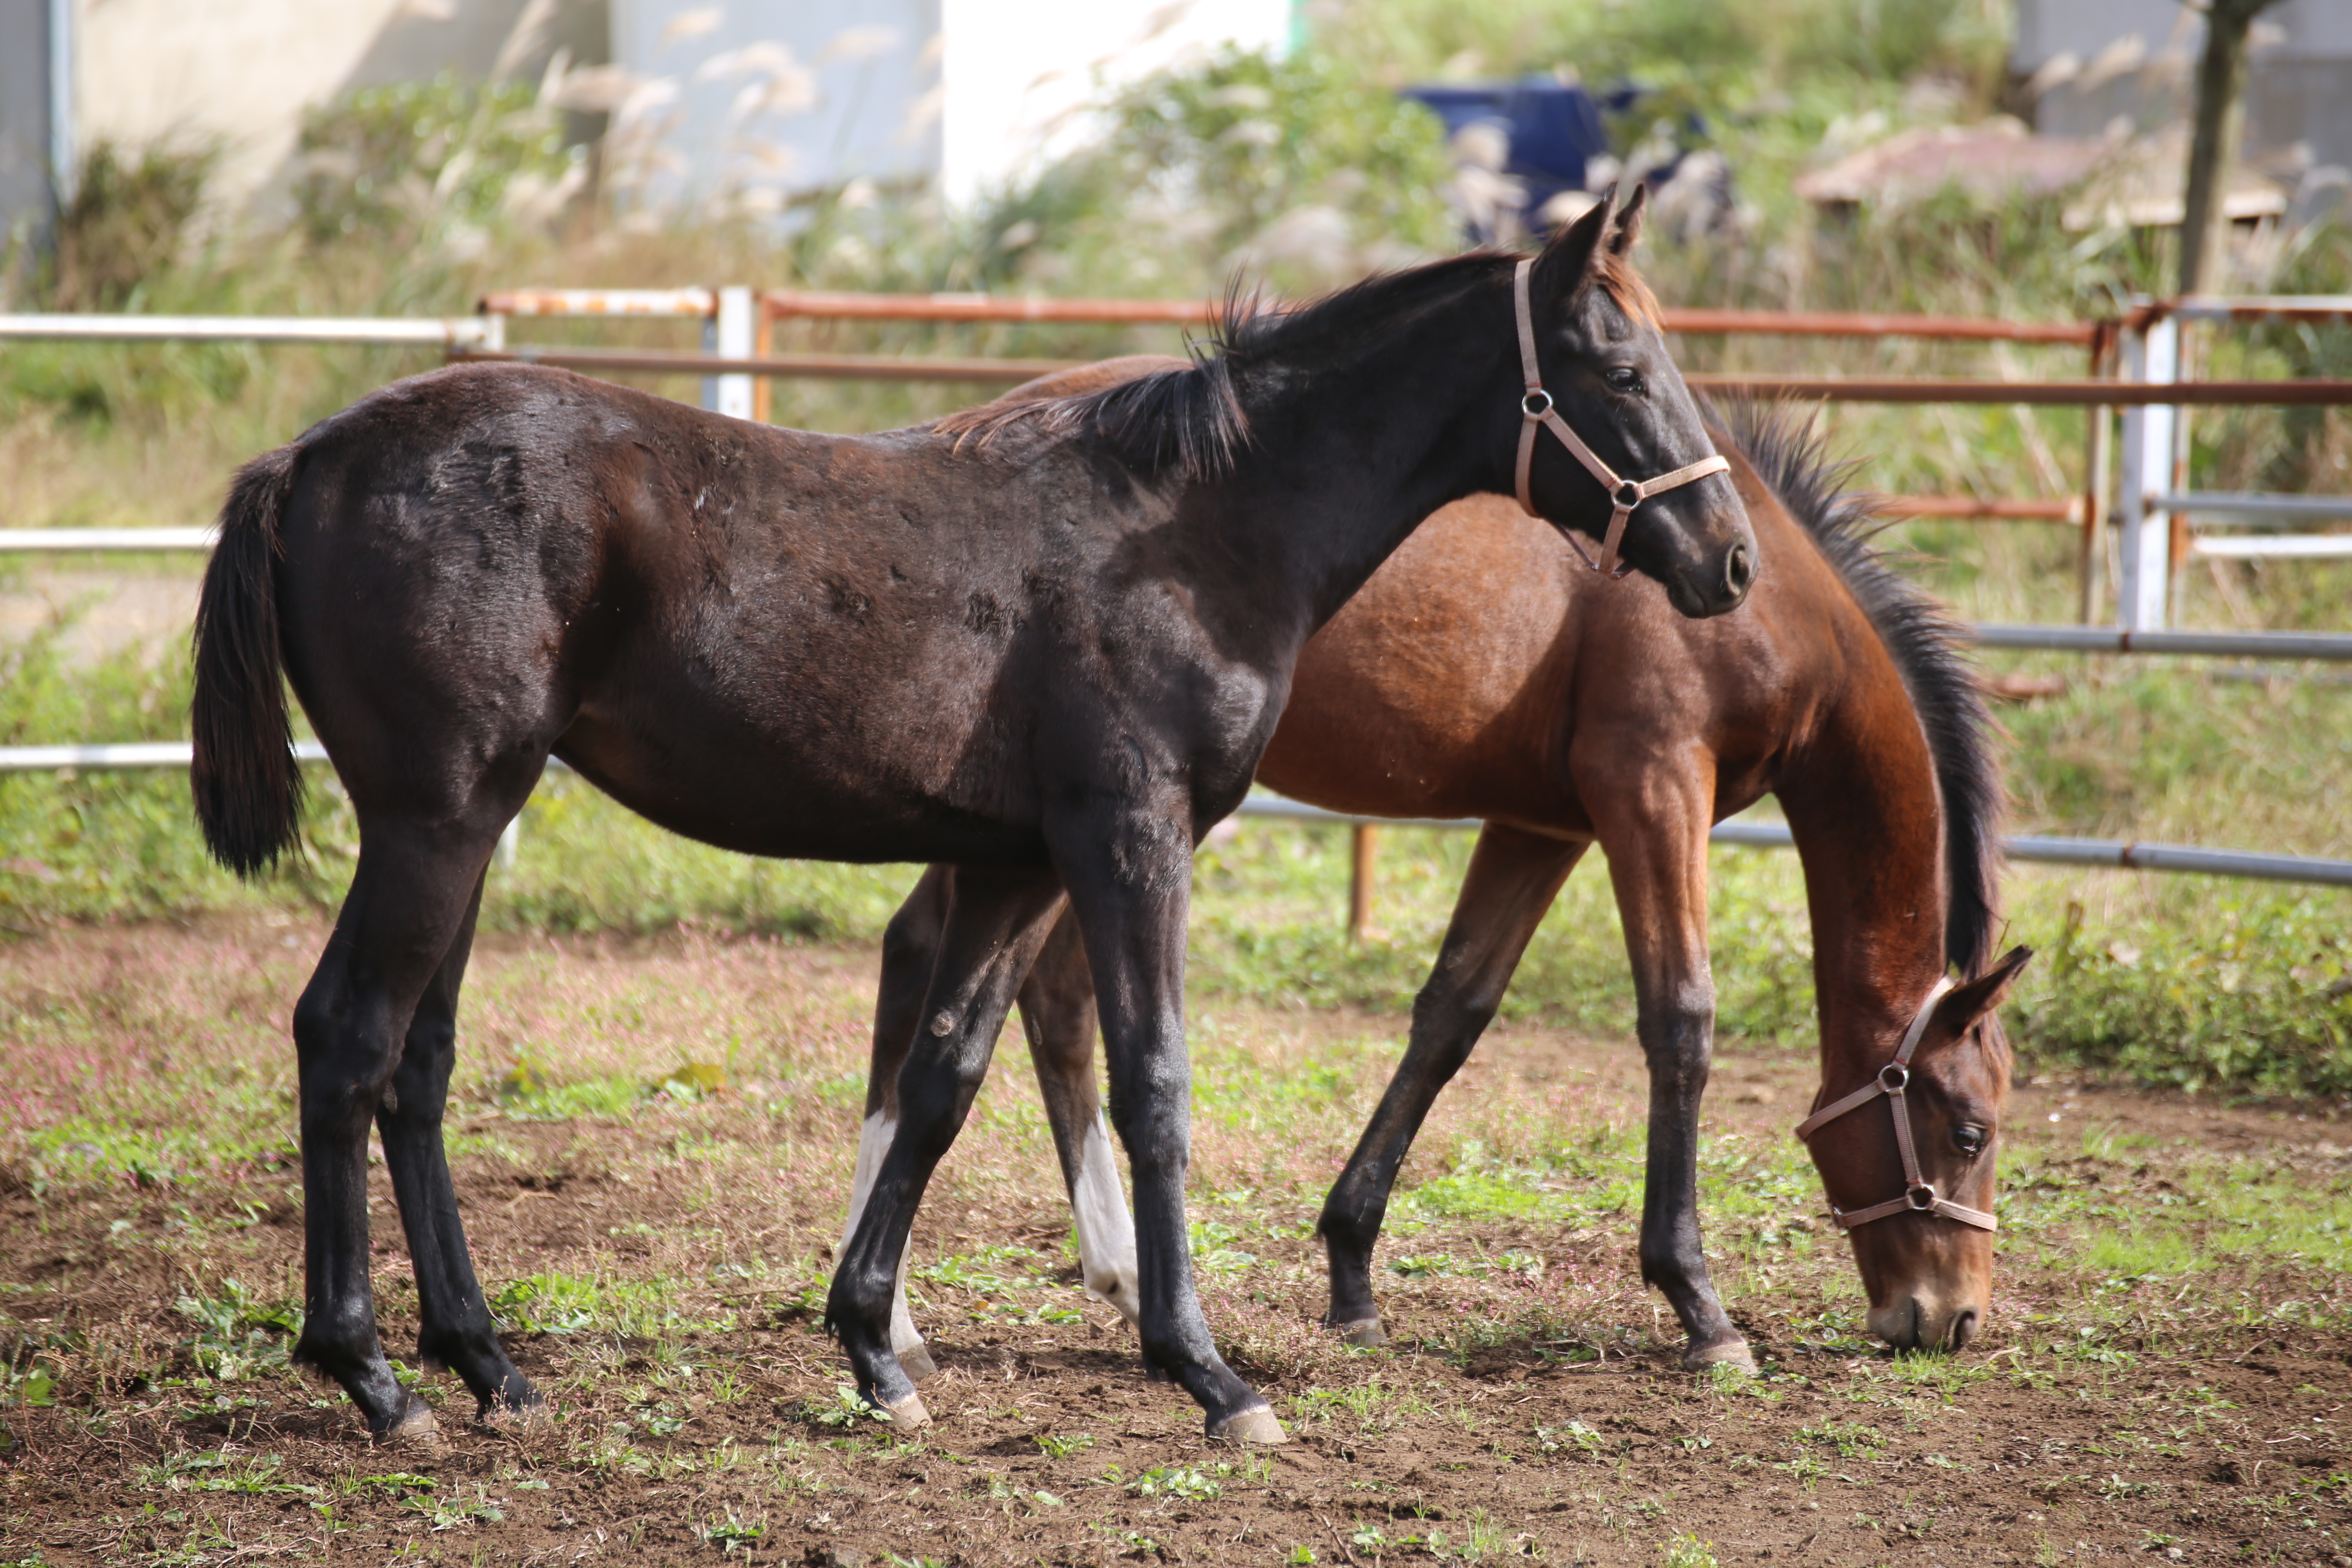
[(2220, 122)]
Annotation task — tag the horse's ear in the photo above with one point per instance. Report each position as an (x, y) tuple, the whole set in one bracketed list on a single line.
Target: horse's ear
[(1628, 232), (1568, 262), (1964, 1004)]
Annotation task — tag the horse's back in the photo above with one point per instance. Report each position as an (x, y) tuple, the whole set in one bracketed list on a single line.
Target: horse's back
[(1484, 672)]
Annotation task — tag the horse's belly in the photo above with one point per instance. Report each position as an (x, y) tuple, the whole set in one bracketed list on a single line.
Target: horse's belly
[(780, 806)]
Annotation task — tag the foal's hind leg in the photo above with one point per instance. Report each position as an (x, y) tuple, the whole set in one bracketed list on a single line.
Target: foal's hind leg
[(996, 920), (457, 1332), (1057, 1005), (1513, 877), (1656, 838), (408, 900), (910, 948)]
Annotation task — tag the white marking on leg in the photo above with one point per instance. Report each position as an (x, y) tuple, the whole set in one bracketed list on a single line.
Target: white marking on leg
[(1106, 1225), (873, 1143)]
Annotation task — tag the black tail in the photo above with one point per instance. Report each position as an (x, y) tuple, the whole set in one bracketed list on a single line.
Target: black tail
[(247, 786)]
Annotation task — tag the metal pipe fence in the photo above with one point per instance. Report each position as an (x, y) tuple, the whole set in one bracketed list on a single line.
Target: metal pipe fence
[(2120, 856), (736, 364)]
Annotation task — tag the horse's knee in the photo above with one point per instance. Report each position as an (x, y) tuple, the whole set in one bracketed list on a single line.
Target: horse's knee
[(1678, 1038), (1448, 1021), (345, 1063)]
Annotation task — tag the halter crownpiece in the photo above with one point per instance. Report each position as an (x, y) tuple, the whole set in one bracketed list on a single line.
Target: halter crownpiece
[(1535, 409), (1920, 1195)]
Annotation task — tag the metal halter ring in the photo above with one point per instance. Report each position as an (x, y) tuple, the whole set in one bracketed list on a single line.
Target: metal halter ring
[(1536, 408), (1919, 1195)]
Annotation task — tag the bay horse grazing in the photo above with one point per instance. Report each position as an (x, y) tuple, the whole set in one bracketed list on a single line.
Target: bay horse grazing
[(1479, 674), (1048, 653)]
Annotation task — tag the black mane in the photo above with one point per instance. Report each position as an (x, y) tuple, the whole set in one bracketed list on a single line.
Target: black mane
[(1927, 646), (1188, 422)]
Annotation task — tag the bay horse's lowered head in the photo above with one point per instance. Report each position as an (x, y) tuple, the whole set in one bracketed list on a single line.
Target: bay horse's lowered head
[(1611, 442), (1908, 1158), (1897, 806)]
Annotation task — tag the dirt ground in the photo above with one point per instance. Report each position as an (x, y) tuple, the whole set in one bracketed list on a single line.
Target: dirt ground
[(1530, 1405)]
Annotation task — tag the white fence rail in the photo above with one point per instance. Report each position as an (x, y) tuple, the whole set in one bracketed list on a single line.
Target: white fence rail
[(2154, 464), (430, 331)]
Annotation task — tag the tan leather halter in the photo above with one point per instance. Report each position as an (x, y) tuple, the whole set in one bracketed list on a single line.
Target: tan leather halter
[(1919, 1196), (1535, 409)]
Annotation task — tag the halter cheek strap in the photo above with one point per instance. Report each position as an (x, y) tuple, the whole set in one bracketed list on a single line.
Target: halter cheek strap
[(1536, 409), (1919, 1196)]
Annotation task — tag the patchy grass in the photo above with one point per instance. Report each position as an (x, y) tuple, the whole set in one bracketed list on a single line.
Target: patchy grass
[(2171, 1302)]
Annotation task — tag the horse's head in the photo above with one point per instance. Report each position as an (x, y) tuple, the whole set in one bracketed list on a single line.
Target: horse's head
[(1603, 372), (1921, 1221)]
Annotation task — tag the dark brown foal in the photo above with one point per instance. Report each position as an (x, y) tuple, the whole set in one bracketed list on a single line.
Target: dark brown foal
[(1483, 673), (1046, 647)]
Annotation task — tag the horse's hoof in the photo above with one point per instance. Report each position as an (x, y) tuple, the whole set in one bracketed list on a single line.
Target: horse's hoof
[(916, 1362), (1733, 1353), (415, 1428), (908, 1413), (1255, 1425), (1364, 1333), (515, 1419)]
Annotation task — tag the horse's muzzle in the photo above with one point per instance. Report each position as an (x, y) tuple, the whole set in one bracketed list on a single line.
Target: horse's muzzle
[(1693, 595), (1913, 1322)]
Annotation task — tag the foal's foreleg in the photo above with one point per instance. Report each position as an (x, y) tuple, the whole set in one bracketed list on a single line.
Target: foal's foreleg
[(1057, 1005), (457, 1332), (1513, 877), (996, 920), (1656, 839), (1130, 882), (911, 949)]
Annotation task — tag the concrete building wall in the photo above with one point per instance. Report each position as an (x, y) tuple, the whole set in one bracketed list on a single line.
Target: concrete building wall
[(242, 73), (2136, 59), (753, 101), (968, 93)]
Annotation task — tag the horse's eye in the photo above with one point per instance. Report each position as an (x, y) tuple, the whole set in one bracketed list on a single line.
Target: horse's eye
[(1970, 1140), (1623, 378)]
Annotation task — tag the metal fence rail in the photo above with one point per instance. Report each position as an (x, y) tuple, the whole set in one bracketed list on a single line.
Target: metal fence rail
[(431, 331), (2129, 856), (45, 540), (2331, 645)]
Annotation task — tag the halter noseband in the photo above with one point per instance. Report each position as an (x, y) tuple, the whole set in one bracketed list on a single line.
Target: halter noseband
[(1920, 1195), (1535, 409)]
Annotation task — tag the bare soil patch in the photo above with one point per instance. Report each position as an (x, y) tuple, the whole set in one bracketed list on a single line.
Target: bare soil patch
[(2184, 1401)]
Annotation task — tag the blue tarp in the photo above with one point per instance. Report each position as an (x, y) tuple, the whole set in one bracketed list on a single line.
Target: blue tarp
[(1554, 128)]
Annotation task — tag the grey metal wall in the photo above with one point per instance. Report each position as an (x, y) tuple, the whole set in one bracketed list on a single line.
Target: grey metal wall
[(24, 122), (2299, 79)]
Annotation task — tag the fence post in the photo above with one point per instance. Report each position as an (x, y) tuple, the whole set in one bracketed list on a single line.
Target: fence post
[(764, 344), (2090, 565), (729, 335), (1365, 841), (2151, 354)]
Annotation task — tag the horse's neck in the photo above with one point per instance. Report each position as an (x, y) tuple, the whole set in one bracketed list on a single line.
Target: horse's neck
[(1351, 456), (1863, 804)]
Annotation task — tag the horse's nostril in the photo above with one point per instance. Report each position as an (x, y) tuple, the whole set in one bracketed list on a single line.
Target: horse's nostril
[(1964, 1328), (1738, 570)]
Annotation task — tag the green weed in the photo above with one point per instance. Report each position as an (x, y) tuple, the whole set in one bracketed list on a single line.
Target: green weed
[(1686, 1551)]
